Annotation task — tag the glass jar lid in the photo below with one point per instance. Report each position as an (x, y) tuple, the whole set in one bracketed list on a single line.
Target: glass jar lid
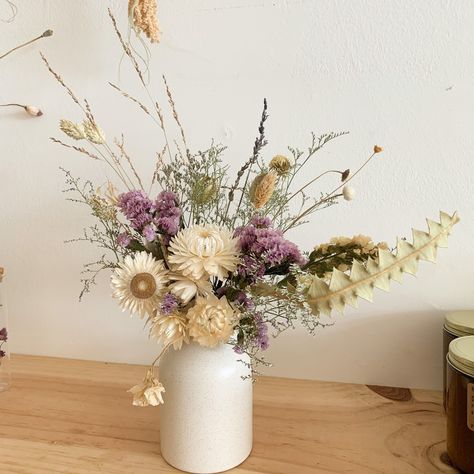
[(460, 323), (461, 354)]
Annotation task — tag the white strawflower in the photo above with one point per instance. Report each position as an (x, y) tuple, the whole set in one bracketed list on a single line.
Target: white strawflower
[(348, 192), (211, 320), (138, 283), (170, 329), (186, 289), (203, 250), (149, 392)]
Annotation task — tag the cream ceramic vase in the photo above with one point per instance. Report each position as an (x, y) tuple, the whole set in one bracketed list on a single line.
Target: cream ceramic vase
[(206, 420)]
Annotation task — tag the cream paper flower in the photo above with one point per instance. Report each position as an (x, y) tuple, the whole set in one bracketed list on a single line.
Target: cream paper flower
[(186, 289), (138, 283), (149, 392), (203, 250), (170, 329), (211, 320)]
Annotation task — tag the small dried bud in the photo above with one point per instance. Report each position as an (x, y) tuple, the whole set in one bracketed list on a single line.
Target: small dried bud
[(262, 189), (47, 33), (205, 190), (348, 192), (280, 164), (93, 133), (72, 129), (345, 174), (30, 109), (377, 149)]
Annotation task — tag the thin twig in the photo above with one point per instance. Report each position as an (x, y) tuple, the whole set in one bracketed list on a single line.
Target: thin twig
[(43, 35)]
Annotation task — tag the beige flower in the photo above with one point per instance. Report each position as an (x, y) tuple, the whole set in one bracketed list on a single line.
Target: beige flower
[(93, 132), (142, 16), (186, 289), (211, 320), (170, 329), (138, 283), (262, 189), (203, 250), (32, 110), (71, 129), (280, 164), (149, 392), (348, 192)]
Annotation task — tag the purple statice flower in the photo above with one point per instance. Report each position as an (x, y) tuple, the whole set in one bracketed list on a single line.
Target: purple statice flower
[(262, 245), (262, 332), (168, 304), (238, 350), (137, 208), (149, 233), (124, 239), (3, 334), (2, 354), (168, 213)]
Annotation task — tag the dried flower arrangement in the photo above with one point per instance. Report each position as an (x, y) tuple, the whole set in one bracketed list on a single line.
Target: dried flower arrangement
[(205, 260)]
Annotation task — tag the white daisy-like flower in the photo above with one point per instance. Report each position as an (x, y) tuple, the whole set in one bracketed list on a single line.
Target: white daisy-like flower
[(138, 283), (170, 329), (186, 289), (204, 250), (211, 320), (149, 392)]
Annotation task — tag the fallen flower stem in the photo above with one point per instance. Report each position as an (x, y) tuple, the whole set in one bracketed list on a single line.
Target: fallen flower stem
[(43, 35)]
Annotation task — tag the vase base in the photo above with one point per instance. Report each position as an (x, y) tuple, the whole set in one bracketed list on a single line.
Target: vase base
[(216, 470)]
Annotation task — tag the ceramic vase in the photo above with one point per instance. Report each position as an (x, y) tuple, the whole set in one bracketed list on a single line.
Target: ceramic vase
[(206, 420)]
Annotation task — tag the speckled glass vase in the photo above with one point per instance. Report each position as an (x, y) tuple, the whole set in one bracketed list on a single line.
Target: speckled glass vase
[(206, 420), (4, 355)]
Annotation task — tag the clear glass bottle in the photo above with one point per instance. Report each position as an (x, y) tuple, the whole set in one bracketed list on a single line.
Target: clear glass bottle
[(4, 355)]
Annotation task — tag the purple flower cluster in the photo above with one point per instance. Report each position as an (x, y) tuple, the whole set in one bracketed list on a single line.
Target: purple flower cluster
[(137, 208), (3, 335), (264, 247), (262, 332), (168, 213), (124, 239), (168, 304)]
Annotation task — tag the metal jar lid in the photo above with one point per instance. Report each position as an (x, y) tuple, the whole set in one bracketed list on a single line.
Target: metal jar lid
[(460, 323), (461, 354)]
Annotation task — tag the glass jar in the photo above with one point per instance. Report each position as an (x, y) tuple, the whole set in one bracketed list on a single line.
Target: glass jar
[(460, 403), (4, 355), (456, 324)]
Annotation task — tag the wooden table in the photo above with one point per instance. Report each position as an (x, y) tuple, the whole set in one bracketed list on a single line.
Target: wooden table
[(73, 416)]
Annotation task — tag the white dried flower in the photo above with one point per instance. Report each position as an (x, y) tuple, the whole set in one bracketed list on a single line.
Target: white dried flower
[(211, 320), (203, 250), (186, 289), (149, 392), (348, 192), (93, 132), (170, 329), (138, 283), (32, 110), (71, 129)]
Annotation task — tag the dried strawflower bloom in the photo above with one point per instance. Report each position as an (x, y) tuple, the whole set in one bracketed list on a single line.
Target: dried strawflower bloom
[(32, 110), (186, 289), (377, 149), (211, 321), (71, 129), (149, 392), (170, 329), (93, 133), (348, 193), (262, 189), (143, 18), (203, 250), (280, 164)]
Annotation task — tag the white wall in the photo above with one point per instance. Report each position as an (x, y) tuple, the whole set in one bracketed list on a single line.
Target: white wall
[(397, 73)]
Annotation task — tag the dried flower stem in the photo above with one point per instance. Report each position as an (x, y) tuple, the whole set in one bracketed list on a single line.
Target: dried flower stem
[(77, 148), (121, 147), (45, 34)]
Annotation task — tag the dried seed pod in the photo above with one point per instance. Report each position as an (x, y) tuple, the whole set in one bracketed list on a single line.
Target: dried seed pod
[(280, 164), (262, 189), (71, 129)]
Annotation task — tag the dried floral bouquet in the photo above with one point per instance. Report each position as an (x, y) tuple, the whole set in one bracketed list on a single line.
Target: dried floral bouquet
[(205, 260)]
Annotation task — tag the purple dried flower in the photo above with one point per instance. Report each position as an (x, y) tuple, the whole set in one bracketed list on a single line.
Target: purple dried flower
[(3, 334), (2, 354), (262, 332), (261, 222), (168, 213), (149, 233), (238, 350), (168, 304), (124, 239), (137, 208)]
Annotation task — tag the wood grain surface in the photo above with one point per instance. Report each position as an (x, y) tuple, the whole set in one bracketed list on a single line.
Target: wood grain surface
[(69, 416)]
